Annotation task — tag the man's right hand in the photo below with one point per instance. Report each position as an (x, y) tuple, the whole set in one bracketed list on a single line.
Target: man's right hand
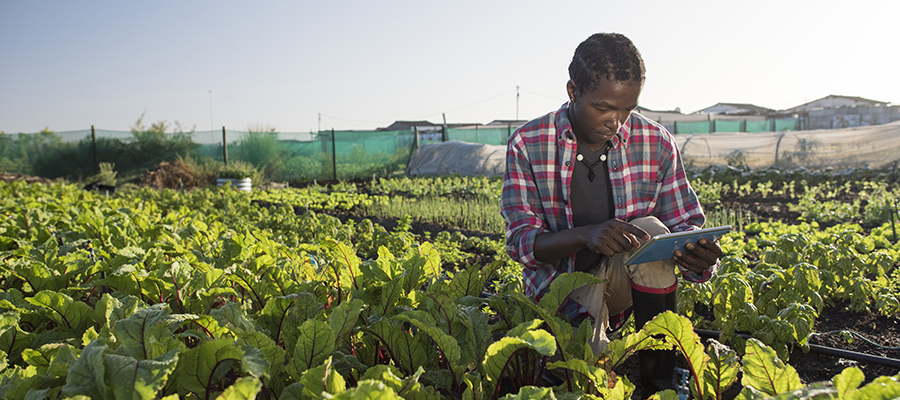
[(611, 237), (614, 236)]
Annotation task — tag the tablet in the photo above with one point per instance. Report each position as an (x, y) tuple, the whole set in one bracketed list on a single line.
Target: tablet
[(661, 247)]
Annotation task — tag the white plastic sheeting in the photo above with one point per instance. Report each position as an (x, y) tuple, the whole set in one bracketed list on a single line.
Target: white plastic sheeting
[(873, 146), (448, 158)]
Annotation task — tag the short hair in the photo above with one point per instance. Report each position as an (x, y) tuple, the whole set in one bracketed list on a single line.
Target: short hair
[(610, 56)]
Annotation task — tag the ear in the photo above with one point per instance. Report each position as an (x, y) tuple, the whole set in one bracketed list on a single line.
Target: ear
[(571, 89)]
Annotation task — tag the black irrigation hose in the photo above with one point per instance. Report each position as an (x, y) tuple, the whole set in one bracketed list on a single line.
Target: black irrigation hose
[(852, 355)]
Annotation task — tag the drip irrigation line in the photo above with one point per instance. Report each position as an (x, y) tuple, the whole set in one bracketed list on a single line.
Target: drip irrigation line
[(851, 355), (857, 335)]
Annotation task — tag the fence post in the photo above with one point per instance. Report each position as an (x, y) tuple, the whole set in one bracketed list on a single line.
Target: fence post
[(893, 208), (333, 155), (94, 150), (777, 146), (224, 146), (444, 128), (508, 132), (415, 146)]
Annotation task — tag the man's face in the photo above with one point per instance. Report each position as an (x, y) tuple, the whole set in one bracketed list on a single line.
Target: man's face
[(601, 111)]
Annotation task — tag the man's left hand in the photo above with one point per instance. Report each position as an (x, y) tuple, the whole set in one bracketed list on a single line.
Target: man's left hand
[(700, 256)]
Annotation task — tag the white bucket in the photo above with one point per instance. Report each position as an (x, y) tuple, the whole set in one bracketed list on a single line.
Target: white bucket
[(239, 184)]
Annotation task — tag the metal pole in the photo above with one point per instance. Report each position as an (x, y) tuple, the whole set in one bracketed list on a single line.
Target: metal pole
[(517, 102), (894, 227), (224, 146), (94, 149), (444, 130), (333, 155)]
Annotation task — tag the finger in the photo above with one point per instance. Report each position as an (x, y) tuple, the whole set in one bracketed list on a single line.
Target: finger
[(620, 241), (635, 230), (713, 247), (603, 248), (690, 262), (702, 253)]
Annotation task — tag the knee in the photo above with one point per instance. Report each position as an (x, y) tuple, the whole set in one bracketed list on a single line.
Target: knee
[(652, 225)]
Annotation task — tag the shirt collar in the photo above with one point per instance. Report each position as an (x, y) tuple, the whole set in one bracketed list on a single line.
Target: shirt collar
[(564, 127)]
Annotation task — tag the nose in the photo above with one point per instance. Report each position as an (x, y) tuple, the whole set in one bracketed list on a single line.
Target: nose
[(614, 123)]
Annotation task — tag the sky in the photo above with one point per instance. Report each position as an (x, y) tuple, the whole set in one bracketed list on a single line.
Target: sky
[(301, 66)]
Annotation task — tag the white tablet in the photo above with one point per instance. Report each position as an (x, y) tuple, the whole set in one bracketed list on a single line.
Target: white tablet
[(661, 247)]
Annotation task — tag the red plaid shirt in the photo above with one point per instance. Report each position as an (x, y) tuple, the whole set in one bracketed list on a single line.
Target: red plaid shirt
[(646, 174)]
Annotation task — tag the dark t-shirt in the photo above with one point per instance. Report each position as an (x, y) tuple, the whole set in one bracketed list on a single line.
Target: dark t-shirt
[(592, 201)]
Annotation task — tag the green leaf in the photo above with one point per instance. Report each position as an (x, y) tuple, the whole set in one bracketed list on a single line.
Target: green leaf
[(293, 391), (315, 344), (469, 282), (849, 379), (499, 353), (8, 320), (207, 363), (71, 314), (432, 264), (586, 378), (51, 360), (618, 350), (233, 316), (274, 354), (245, 388), (406, 350), (205, 327), (478, 334), (526, 326), (274, 316), (764, 371), (562, 286), (447, 344), (369, 390), (88, 375), (679, 331), (345, 266), (391, 293), (110, 310), (144, 336), (883, 387), (531, 392), (321, 379), (343, 318), (306, 307), (561, 330), (17, 383), (721, 370), (141, 379)]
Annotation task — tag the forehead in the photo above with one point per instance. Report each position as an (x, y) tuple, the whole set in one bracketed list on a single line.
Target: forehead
[(619, 93)]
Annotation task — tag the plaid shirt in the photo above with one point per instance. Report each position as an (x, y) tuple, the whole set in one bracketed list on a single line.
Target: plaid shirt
[(646, 174)]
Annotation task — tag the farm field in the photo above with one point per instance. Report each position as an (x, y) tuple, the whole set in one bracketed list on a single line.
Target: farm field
[(400, 288)]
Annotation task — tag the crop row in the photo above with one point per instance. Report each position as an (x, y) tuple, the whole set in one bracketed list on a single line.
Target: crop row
[(201, 294)]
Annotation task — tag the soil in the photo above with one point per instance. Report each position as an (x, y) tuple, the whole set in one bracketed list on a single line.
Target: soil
[(8, 177)]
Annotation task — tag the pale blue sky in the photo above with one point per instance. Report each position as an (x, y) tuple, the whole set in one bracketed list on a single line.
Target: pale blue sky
[(363, 64)]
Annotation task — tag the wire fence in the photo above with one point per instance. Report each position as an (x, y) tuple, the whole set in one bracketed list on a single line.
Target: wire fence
[(289, 156)]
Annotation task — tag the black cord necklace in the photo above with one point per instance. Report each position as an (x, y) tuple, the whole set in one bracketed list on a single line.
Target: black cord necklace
[(602, 158)]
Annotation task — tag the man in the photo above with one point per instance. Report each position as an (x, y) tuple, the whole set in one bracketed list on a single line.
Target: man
[(587, 184)]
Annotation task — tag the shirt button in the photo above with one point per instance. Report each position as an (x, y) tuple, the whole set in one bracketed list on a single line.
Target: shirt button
[(566, 202), (568, 163)]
